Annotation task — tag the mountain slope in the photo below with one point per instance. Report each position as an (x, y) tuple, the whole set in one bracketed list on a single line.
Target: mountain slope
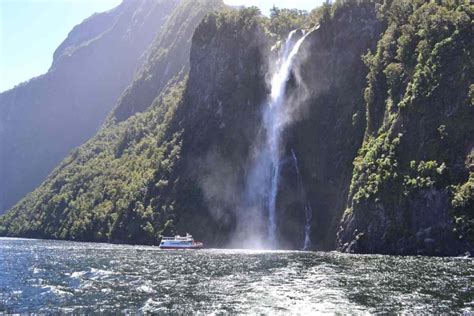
[(201, 159), (168, 58), (44, 118), (128, 183)]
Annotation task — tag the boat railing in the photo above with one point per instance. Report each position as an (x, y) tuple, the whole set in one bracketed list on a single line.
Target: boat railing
[(181, 238)]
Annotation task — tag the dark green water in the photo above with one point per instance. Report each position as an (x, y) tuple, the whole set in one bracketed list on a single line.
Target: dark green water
[(58, 276)]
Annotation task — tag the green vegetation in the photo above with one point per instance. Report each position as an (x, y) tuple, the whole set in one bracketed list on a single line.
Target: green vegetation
[(419, 121), (375, 165), (100, 191), (282, 21), (136, 180), (167, 62), (463, 205), (43, 119)]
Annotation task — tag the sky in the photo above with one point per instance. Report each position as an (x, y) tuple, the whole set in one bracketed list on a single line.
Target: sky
[(31, 30)]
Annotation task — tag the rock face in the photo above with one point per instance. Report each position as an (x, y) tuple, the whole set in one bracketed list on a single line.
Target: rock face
[(412, 191), (220, 119), (141, 178), (224, 101), (43, 119), (328, 124)]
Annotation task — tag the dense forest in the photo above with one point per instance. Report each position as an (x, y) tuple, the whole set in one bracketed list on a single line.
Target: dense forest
[(381, 125), (412, 186)]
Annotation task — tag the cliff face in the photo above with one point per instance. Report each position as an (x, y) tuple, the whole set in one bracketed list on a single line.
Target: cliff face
[(220, 119), (328, 124), (43, 119), (412, 191), (121, 187)]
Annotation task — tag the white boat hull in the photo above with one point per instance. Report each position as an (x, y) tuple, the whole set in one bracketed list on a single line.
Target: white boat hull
[(197, 245)]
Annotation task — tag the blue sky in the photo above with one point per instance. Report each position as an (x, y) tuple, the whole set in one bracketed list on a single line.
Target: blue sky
[(30, 30)]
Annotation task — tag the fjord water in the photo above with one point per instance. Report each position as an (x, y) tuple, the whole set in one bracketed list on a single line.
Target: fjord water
[(60, 276)]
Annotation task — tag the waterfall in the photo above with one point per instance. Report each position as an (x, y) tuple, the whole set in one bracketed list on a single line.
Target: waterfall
[(262, 181), (273, 121), (307, 205), (307, 227)]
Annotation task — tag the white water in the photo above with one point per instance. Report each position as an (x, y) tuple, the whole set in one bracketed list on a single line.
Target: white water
[(93, 278), (274, 122), (264, 176)]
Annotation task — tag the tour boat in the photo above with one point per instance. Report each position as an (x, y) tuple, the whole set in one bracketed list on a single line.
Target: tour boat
[(179, 242)]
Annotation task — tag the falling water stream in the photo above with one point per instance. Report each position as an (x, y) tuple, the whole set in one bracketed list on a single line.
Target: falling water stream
[(274, 122), (307, 206)]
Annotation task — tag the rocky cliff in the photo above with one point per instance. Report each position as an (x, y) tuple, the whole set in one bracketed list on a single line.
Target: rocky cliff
[(328, 124), (412, 187)]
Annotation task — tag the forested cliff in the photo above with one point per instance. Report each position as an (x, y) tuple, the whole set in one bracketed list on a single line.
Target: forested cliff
[(412, 186), (376, 145)]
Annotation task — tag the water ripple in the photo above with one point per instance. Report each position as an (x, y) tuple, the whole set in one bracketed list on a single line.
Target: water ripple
[(66, 277)]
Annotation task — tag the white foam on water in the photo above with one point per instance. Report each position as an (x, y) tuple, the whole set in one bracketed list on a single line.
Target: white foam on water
[(145, 289), (154, 306), (78, 274), (56, 290)]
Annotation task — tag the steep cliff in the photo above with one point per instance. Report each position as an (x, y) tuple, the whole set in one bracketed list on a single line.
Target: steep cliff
[(43, 119), (328, 121), (120, 187), (412, 188), (220, 118)]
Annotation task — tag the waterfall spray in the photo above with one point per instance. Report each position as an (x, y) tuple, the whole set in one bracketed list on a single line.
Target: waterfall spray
[(274, 121), (308, 211), (307, 227), (262, 181)]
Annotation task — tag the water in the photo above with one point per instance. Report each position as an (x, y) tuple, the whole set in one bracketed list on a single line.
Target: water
[(263, 179), (59, 276), (274, 123), (307, 226), (307, 205)]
